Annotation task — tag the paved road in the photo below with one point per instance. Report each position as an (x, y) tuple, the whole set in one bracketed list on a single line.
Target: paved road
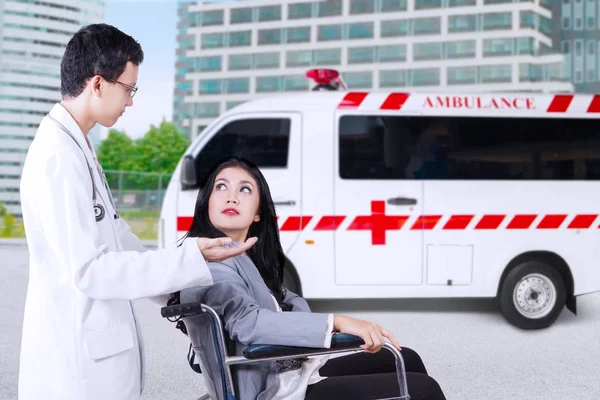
[(466, 345)]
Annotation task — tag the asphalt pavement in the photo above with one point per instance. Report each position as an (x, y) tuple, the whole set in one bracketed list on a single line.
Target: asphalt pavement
[(465, 343)]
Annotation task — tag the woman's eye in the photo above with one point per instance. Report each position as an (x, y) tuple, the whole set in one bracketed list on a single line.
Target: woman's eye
[(220, 186), (246, 189)]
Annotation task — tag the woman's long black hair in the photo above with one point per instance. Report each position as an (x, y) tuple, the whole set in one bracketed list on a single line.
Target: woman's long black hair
[(267, 253)]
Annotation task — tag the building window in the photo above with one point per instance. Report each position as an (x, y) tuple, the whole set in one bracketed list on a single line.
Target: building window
[(329, 8), (393, 53), (206, 64), (203, 110), (327, 56), (525, 45), (361, 55), (462, 23), (299, 10), (392, 78), (269, 36), (231, 104), (427, 51), (360, 30), (393, 5), (298, 34), (212, 40), (497, 21), (329, 32), (425, 77), (268, 84), (293, 83), (269, 13), (528, 19), (237, 85), (460, 49), (238, 62), (461, 3), (426, 26), (362, 7), (395, 28), (266, 60), (210, 18), (462, 75), (495, 73), (240, 39), (241, 15), (426, 4), (358, 80), (210, 86), (298, 58), (497, 1), (498, 47)]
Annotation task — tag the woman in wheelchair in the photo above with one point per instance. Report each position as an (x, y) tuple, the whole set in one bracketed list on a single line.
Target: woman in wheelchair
[(249, 296)]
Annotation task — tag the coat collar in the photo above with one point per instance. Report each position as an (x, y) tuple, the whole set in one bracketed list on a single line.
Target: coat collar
[(64, 117)]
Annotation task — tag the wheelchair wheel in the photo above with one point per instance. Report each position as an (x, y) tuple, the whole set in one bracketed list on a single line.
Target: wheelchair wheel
[(533, 295)]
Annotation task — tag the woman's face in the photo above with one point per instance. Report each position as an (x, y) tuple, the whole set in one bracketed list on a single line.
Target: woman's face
[(234, 202)]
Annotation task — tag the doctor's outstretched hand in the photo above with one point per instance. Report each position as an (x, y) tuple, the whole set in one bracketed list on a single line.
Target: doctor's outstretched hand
[(214, 250)]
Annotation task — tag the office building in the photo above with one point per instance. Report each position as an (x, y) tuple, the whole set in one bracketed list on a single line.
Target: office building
[(577, 35), (33, 36), (230, 52)]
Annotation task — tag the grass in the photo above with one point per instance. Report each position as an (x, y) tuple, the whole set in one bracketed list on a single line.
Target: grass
[(144, 224)]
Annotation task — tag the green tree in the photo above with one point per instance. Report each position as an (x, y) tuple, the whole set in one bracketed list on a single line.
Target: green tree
[(158, 152), (114, 153)]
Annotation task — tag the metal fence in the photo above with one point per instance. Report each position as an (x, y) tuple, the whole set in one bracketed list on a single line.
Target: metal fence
[(141, 191)]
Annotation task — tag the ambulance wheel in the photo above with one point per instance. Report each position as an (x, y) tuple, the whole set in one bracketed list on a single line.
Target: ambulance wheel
[(291, 280), (533, 295)]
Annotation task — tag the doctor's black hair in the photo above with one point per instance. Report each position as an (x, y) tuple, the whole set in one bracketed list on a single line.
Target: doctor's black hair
[(267, 253), (97, 49)]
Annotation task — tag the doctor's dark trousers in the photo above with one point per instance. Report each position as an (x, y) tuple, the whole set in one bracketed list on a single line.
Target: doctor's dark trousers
[(365, 376)]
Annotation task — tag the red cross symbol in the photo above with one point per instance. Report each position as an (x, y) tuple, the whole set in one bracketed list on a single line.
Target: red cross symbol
[(378, 223)]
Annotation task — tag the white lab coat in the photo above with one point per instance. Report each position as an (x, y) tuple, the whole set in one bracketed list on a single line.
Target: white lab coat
[(80, 337)]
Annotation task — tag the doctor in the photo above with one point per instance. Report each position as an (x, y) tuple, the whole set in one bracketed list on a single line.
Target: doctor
[(81, 338)]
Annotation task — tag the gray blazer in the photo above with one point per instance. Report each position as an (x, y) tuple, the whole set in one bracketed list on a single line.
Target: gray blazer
[(242, 299)]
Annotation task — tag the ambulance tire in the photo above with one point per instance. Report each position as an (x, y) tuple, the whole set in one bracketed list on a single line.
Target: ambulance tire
[(533, 295), (291, 280)]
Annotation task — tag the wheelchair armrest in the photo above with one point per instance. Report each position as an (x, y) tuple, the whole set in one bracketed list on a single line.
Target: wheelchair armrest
[(181, 309), (339, 341)]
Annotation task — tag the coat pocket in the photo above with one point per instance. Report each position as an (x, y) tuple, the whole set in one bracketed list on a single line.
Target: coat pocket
[(108, 342)]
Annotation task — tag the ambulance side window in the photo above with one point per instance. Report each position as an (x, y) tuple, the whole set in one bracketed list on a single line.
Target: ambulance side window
[(373, 147), (263, 141)]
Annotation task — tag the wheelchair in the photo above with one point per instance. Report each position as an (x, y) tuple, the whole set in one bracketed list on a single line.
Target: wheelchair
[(223, 387)]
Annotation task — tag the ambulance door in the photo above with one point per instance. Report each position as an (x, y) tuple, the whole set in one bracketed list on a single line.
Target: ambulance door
[(378, 202), (272, 141)]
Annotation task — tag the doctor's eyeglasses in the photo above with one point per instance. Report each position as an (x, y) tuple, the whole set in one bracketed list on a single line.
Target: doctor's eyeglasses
[(132, 89)]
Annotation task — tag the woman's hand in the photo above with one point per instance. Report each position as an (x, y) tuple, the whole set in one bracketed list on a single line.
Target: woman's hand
[(370, 332), (214, 250)]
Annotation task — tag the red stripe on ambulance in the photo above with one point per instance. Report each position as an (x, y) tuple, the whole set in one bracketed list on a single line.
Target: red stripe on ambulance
[(552, 221), (295, 223), (395, 101), (560, 103), (352, 100), (458, 222)]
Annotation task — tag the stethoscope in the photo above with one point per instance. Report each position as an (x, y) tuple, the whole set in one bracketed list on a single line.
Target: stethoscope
[(99, 211)]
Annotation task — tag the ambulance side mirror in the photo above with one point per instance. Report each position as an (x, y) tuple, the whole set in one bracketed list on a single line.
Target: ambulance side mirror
[(188, 173)]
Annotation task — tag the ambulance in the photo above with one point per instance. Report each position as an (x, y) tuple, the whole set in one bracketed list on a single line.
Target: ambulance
[(383, 195)]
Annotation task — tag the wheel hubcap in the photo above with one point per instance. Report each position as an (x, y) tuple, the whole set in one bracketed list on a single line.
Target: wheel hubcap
[(534, 296)]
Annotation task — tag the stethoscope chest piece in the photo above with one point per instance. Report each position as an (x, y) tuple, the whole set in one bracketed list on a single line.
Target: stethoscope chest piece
[(99, 212)]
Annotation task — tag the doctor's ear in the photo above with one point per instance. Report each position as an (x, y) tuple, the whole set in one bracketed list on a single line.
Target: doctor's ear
[(96, 84)]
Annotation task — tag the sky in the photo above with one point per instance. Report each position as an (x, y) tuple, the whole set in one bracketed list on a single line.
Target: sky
[(153, 23)]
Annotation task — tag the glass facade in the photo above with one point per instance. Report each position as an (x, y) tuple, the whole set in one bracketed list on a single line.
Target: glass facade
[(380, 44)]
